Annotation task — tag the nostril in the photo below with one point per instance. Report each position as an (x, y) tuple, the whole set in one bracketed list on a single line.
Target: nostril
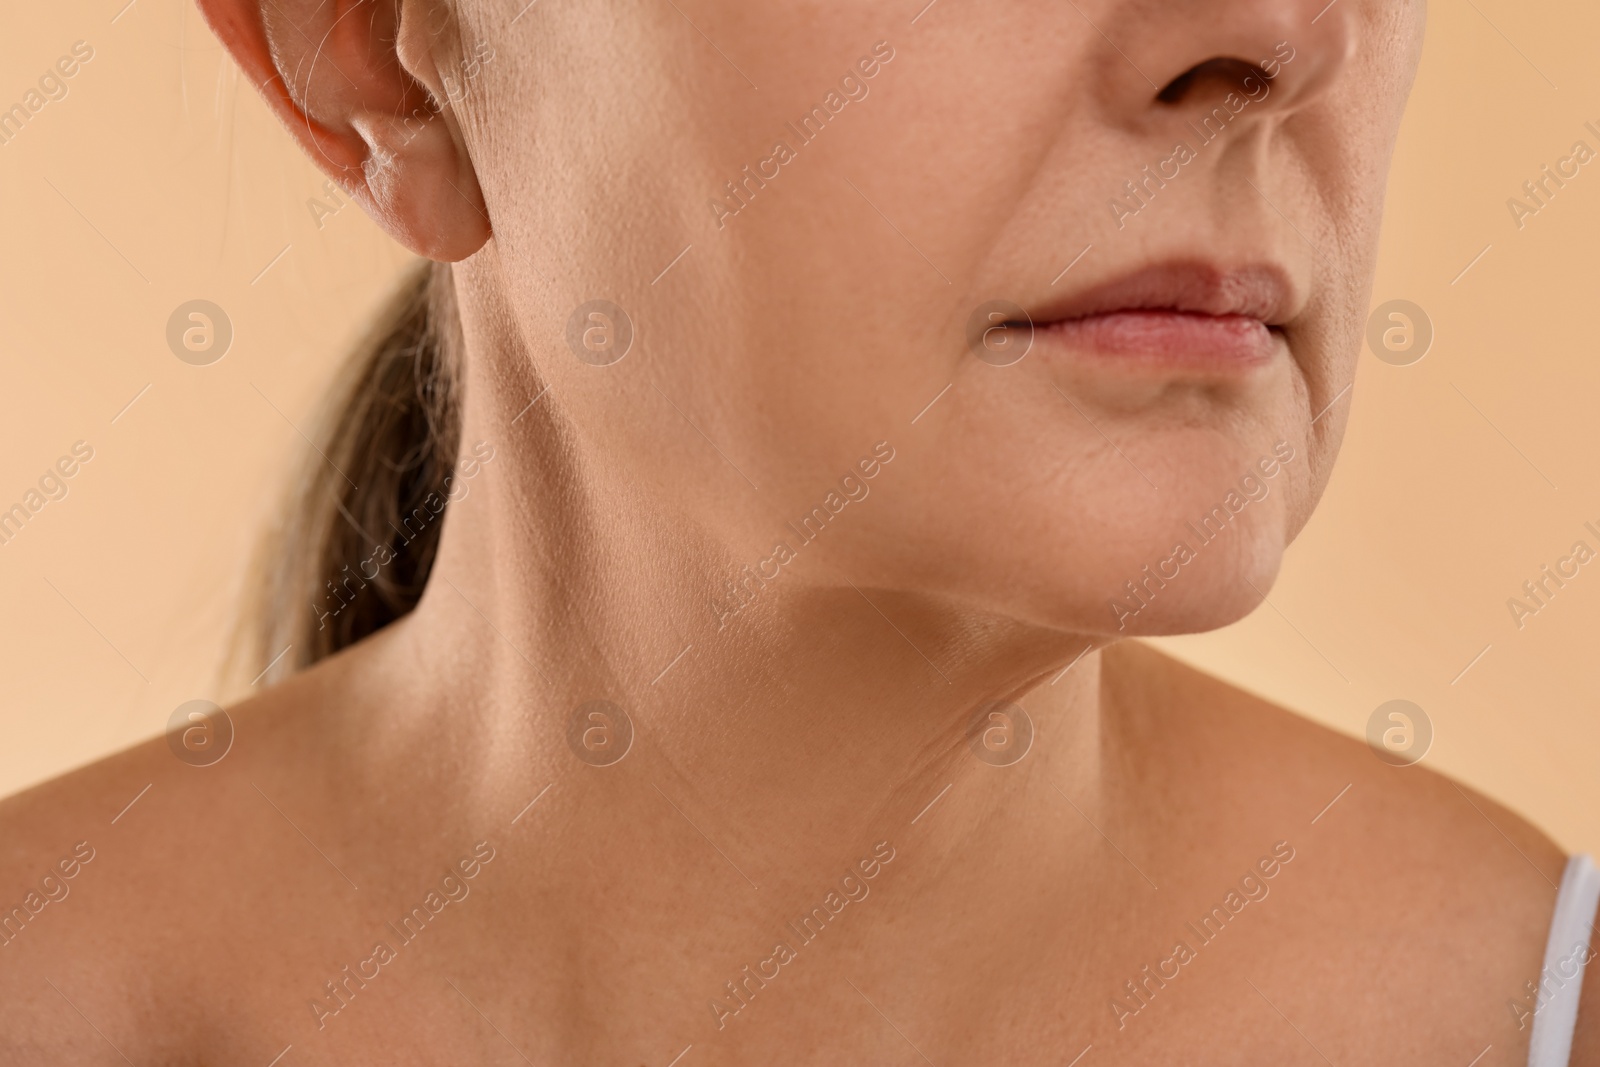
[(1222, 71)]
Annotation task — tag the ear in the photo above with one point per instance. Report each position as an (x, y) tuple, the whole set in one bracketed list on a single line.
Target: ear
[(357, 82)]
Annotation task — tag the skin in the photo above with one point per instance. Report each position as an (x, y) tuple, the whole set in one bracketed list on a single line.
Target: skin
[(828, 720)]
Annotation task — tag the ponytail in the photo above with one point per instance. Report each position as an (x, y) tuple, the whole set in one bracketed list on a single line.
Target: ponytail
[(338, 568)]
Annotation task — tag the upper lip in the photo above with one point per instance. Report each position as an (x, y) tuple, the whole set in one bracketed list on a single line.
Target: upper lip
[(1258, 291)]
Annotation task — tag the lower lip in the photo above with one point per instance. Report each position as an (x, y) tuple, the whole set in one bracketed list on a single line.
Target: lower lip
[(1167, 339)]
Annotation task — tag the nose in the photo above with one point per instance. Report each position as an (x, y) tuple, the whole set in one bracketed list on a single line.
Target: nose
[(1283, 54)]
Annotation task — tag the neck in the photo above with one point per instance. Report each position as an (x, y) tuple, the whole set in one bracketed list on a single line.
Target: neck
[(819, 707)]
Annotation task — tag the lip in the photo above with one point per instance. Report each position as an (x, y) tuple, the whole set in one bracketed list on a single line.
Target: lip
[(1183, 314)]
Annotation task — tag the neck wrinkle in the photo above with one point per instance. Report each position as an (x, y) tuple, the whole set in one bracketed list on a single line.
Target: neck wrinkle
[(821, 707)]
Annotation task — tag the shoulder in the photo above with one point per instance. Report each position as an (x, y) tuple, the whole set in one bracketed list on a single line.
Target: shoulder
[(64, 852), (123, 884), (1415, 894), (1218, 729)]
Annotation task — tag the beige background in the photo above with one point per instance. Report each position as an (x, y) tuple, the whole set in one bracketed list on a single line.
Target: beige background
[(160, 179)]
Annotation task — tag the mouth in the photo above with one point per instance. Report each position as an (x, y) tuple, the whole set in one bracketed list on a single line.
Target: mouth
[(1188, 315)]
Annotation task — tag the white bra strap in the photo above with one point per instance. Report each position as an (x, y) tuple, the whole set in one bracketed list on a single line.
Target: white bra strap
[(1555, 1016)]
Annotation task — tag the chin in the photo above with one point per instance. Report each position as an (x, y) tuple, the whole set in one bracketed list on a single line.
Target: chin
[(1190, 578), (1196, 585), (1197, 611)]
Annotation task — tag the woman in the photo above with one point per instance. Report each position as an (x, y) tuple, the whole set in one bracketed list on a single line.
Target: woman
[(711, 593)]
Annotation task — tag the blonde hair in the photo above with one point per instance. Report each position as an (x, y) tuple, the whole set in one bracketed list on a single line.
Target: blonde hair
[(388, 440)]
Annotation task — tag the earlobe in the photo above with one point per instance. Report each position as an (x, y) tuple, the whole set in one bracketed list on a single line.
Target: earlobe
[(440, 202), (363, 97), (421, 185)]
